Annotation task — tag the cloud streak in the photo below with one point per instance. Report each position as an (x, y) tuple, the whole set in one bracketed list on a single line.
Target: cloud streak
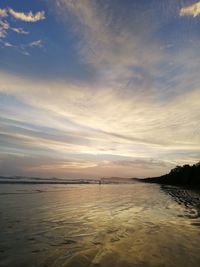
[(27, 17), (191, 10), (38, 43), (111, 45), (88, 123), (3, 12)]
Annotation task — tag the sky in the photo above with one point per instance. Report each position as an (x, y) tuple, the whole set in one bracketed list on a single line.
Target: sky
[(99, 88)]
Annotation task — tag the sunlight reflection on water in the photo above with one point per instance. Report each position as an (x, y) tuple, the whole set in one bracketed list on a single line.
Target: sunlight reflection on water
[(93, 225)]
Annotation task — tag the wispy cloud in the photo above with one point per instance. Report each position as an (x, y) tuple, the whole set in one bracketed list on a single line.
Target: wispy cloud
[(191, 10), (100, 123), (115, 48), (3, 12), (27, 17), (6, 26), (19, 30), (36, 43), (7, 44), (25, 48)]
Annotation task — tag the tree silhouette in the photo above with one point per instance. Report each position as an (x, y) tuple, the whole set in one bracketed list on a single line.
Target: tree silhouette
[(185, 175)]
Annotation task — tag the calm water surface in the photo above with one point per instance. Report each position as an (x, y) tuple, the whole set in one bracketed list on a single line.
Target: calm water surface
[(99, 225)]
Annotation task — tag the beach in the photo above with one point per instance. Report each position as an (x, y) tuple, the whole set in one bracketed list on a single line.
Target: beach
[(98, 225)]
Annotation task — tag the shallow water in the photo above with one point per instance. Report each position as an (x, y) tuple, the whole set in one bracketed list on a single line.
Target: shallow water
[(99, 225)]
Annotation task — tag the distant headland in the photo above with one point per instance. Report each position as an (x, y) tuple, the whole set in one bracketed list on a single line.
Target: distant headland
[(185, 175)]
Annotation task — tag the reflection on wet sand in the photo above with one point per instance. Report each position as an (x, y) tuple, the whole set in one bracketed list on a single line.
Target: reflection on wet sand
[(91, 225)]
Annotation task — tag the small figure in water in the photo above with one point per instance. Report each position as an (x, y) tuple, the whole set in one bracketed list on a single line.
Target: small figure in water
[(100, 181)]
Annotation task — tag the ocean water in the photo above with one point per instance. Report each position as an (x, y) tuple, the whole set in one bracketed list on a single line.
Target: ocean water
[(131, 225)]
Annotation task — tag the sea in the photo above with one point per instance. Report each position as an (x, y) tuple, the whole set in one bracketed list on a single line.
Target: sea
[(92, 225)]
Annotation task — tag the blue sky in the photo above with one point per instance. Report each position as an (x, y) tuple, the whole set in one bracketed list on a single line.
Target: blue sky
[(93, 88)]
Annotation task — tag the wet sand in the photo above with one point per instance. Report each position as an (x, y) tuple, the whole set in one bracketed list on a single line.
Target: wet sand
[(92, 225)]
